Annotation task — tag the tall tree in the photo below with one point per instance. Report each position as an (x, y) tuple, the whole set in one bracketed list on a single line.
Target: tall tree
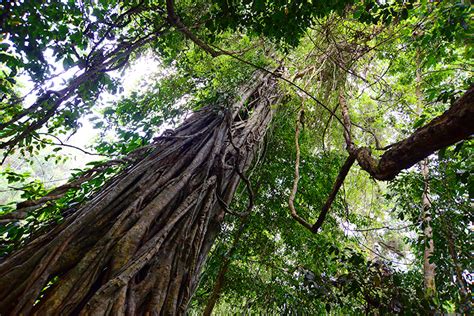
[(151, 227)]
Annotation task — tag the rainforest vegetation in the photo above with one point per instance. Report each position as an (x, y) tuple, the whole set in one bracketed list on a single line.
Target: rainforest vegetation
[(293, 157)]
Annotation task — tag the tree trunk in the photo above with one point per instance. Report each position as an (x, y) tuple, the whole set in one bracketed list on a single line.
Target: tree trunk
[(428, 268), (137, 246), (463, 287)]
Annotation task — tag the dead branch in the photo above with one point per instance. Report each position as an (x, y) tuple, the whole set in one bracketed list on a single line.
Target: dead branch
[(61, 143)]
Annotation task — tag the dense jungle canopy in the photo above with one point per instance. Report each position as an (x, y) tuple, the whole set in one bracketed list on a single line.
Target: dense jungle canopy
[(271, 157)]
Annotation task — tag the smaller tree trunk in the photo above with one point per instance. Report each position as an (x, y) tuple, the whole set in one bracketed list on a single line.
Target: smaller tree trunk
[(429, 268), (218, 285)]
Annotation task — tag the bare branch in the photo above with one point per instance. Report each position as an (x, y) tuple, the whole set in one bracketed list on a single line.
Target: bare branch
[(380, 228), (61, 143)]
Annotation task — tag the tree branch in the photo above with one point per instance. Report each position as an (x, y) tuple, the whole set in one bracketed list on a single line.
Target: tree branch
[(61, 143), (173, 19), (447, 129), (24, 208)]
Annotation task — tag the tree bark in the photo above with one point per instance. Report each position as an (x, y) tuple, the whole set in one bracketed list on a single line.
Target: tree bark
[(137, 246)]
